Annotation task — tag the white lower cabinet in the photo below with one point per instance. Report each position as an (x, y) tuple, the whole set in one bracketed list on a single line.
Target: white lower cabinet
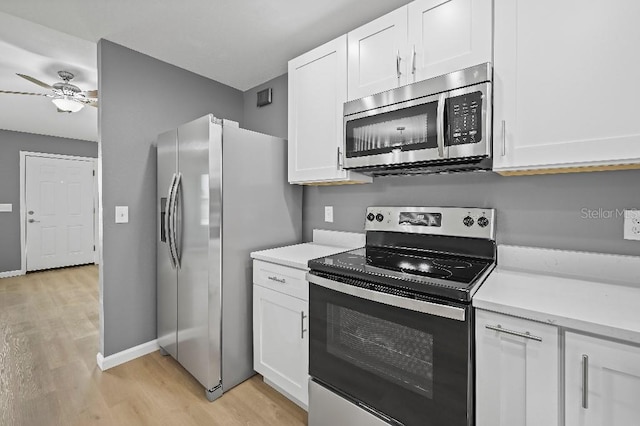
[(516, 371), (602, 382), (281, 341)]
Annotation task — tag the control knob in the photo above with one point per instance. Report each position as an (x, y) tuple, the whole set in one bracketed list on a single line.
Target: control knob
[(379, 217), (468, 221), (483, 222), (370, 217)]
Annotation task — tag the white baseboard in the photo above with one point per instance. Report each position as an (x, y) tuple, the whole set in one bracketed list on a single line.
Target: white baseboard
[(126, 355), (9, 274)]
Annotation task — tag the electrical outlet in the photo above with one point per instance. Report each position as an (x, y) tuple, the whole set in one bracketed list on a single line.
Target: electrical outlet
[(328, 213), (632, 224)]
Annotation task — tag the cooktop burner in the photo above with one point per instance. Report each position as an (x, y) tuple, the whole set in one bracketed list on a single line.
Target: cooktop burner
[(430, 251)]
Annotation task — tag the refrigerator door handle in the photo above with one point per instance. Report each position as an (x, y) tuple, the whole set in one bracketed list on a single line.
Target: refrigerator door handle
[(177, 207), (170, 221)]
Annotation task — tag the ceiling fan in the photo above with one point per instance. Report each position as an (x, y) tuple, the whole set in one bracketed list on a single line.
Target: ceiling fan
[(66, 97)]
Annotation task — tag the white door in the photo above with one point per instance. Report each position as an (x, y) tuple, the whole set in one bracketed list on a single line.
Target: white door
[(59, 212), (281, 340), (378, 55), (448, 35), (602, 382), (565, 79), (317, 91), (517, 378)]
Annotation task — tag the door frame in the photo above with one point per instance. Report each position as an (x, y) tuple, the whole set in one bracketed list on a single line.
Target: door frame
[(23, 201)]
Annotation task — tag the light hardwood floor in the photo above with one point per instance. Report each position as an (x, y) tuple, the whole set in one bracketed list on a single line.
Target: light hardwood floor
[(49, 324)]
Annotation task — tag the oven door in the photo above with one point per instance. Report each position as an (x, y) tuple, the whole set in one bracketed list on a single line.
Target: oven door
[(404, 359)]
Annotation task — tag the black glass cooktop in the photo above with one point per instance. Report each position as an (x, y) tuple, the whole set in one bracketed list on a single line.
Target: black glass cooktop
[(422, 272)]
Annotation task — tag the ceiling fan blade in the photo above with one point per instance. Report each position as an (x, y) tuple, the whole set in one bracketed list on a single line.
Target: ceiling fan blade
[(35, 80), (23, 93), (91, 93)]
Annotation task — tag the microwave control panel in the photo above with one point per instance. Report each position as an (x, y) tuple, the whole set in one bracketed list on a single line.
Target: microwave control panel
[(465, 118)]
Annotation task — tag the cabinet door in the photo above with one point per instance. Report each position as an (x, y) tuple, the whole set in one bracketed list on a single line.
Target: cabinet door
[(516, 377), (377, 55), (602, 382), (281, 341), (565, 79), (448, 35), (317, 92)]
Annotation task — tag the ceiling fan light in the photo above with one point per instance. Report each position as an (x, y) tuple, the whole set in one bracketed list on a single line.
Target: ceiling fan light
[(66, 104)]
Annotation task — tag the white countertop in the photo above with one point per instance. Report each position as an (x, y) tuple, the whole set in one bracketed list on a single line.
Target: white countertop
[(596, 293), (324, 243)]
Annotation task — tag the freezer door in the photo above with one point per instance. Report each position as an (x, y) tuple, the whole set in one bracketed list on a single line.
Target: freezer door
[(167, 280), (198, 246)]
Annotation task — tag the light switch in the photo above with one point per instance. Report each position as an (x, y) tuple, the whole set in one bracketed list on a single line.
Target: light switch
[(6, 208), (122, 214), (328, 213)]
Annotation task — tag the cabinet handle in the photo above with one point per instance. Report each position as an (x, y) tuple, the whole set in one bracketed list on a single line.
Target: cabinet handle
[(279, 280), (339, 158), (504, 138), (585, 381), (413, 61), (526, 334), (302, 329), (398, 59)]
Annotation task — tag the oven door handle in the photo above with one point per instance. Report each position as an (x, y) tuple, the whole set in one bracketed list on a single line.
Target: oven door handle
[(425, 307)]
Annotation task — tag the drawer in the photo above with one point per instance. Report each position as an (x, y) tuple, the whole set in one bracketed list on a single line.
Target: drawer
[(280, 278)]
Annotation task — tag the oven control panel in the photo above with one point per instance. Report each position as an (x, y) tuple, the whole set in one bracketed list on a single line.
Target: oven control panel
[(449, 221)]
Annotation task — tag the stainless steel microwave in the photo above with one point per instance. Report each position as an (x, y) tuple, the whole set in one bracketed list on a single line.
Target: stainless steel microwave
[(433, 126)]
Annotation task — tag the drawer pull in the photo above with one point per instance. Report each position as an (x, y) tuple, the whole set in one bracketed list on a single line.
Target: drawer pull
[(526, 335), (278, 280)]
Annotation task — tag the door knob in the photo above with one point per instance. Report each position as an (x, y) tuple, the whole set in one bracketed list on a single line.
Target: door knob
[(33, 220)]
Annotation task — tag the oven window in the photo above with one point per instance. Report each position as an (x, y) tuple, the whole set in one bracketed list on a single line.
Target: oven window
[(406, 129), (396, 353)]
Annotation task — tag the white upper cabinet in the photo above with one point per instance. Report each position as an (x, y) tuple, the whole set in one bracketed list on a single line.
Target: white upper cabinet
[(424, 39), (317, 92), (448, 35), (517, 378), (565, 84), (602, 382), (377, 55)]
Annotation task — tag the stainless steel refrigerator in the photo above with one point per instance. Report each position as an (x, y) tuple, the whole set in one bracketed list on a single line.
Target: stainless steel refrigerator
[(222, 193)]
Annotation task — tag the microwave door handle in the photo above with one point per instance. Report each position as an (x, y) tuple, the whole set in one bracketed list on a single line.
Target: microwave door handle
[(440, 124)]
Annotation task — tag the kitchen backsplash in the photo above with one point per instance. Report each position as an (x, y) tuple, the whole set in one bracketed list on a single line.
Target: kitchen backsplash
[(579, 211)]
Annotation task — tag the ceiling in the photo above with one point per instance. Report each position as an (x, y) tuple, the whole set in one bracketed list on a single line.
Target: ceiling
[(238, 43)]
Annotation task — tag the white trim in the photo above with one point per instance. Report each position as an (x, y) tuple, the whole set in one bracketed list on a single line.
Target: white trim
[(126, 355), (23, 197), (8, 274)]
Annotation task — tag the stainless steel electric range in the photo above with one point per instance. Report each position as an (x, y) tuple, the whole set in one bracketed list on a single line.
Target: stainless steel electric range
[(391, 324)]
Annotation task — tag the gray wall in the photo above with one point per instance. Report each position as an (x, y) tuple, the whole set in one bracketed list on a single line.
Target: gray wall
[(140, 97), (573, 211), (270, 119), (570, 211), (11, 143)]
